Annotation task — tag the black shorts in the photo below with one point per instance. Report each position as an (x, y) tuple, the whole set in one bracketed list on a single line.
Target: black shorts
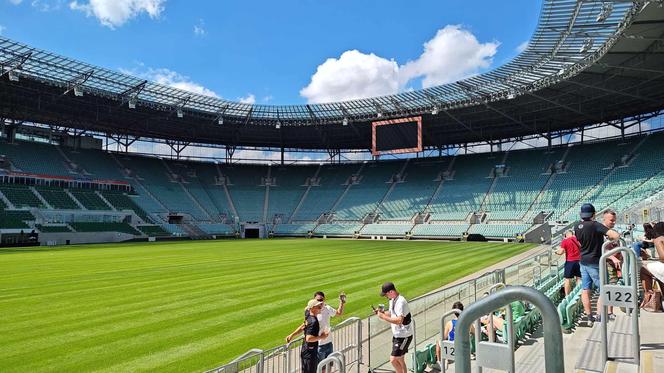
[(400, 345), (572, 269), (309, 359)]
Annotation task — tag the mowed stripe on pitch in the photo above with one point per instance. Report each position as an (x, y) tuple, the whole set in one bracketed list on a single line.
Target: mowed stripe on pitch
[(191, 305)]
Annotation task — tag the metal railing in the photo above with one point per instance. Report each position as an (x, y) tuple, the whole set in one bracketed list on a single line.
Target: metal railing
[(446, 346), (493, 355), (328, 364), (346, 338), (617, 295)]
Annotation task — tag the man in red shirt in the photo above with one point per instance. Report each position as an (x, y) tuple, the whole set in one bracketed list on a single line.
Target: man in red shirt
[(570, 246)]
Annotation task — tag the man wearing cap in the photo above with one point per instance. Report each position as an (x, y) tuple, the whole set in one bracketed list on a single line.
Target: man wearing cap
[(399, 317), (590, 234), (312, 335)]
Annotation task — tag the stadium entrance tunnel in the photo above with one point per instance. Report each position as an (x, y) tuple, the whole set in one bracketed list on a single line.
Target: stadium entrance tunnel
[(253, 231)]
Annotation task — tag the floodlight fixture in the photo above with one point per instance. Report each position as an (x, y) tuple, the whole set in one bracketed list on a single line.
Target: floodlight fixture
[(344, 122), (179, 113), (220, 120), (607, 8), (12, 75), (78, 92), (132, 102), (278, 125), (587, 45), (434, 111)]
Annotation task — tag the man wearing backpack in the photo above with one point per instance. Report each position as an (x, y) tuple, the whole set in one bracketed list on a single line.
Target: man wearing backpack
[(400, 319)]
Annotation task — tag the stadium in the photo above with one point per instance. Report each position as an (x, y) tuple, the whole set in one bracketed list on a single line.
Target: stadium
[(117, 260)]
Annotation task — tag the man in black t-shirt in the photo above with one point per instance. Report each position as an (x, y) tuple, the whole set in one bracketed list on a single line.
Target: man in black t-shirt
[(312, 335), (590, 234)]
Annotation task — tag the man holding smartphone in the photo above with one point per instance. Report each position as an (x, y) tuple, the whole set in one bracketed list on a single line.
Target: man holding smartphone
[(400, 319), (325, 346)]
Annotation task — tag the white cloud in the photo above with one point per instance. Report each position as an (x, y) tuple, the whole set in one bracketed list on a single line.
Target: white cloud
[(453, 53), (199, 28), (2, 29), (115, 13), (15, 2), (353, 75), (46, 5), (522, 47), (170, 78), (249, 99), (268, 98)]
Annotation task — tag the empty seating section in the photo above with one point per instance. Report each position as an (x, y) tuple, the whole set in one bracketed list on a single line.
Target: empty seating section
[(30, 157), (289, 188), (121, 201), (207, 176), (57, 198), (217, 229), (293, 229), (498, 230), (363, 197), (53, 228), (586, 165), (15, 219), (145, 201), (247, 188), (153, 175), (174, 229), (152, 230), (187, 174), (412, 196), (96, 164), (89, 199), (440, 230), (386, 229), (321, 198), (337, 229), (104, 227), (465, 192), (21, 196), (514, 193)]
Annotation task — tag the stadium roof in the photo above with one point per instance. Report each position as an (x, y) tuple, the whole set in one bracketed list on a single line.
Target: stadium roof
[(587, 62)]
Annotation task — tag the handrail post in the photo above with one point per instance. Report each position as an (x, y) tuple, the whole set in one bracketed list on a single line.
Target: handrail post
[(616, 295), (328, 361), (553, 340)]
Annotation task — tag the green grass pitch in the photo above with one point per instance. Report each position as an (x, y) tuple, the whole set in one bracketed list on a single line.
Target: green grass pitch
[(189, 306)]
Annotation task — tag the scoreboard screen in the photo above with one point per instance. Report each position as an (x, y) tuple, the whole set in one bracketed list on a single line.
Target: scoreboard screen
[(396, 136)]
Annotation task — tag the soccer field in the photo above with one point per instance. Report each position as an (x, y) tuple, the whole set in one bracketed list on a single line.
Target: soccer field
[(189, 306)]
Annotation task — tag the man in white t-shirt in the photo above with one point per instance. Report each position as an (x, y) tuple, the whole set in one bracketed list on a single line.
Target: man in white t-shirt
[(400, 319), (325, 346)]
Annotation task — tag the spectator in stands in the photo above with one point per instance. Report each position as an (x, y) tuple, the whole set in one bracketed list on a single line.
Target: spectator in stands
[(325, 346), (646, 241), (590, 234), (312, 336), (570, 247), (400, 319)]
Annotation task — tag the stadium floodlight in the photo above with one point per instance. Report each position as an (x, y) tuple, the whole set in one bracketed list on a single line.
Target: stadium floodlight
[(587, 44), (344, 122), (278, 125), (132, 102), (511, 95), (180, 113), (220, 120), (78, 92), (607, 8), (12, 75), (379, 114), (434, 111)]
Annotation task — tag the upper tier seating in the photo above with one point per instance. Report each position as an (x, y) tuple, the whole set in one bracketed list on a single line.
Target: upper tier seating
[(465, 192), (121, 201), (362, 198), (29, 156), (57, 198), (322, 198), (247, 189), (89, 199), (412, 196), (95, 164), (289, 188)]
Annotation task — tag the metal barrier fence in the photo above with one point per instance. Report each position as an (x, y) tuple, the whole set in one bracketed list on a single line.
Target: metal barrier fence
[(430, 308), (346, 338), (617, 295), (501, 356)]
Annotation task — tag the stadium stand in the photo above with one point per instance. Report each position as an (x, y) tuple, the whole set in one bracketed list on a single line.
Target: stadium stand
[(104, 227), (152, 230), (399, 230), (94, 163), (293, 229), (322, 197), (21, 196), (121, 201), (15, 219), (498, 230), (440, 230), (217, 229), (28, 156), (286, 190), (53, 228), (246, 185), (57, 197), (89, 199), (338, 229)]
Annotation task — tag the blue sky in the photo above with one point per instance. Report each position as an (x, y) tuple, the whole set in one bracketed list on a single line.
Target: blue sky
[(269, 51)]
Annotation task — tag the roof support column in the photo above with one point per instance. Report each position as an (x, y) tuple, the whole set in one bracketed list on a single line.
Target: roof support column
[(230, 150)]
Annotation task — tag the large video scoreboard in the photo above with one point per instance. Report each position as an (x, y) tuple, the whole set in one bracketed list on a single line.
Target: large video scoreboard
[(396, 136)]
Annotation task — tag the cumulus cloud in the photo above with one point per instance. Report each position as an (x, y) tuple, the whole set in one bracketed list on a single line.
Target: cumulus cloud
[(453, 53), (522, 47), (353, 75), (115, 13), (15, 2), (249, 99), (199, 28), (170, 78)]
